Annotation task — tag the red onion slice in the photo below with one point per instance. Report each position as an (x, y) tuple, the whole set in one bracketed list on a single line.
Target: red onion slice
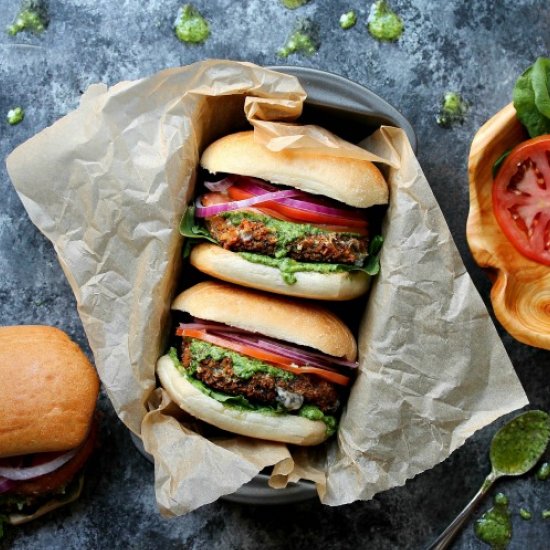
[(22, 474), (219, 186), (208, 211), (210, 326), (6, 484), (305, 201), (301, 357)]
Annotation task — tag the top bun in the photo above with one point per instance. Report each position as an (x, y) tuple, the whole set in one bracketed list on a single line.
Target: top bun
[(273, 316), (48, 391), (354, 182)]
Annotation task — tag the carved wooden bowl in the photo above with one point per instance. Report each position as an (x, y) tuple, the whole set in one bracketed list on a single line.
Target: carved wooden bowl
[(521, 287)]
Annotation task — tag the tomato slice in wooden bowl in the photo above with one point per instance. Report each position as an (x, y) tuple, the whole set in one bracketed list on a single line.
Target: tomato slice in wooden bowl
[(521, 198)]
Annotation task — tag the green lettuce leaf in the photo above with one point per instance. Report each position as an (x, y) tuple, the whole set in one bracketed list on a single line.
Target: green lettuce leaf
[(192, 231), (532, 98)]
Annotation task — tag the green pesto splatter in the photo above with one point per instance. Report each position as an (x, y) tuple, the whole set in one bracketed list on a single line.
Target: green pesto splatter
[(294, 4), (525, 514), (190, 26), (453, 109), (494, 526), (303, 39), (15, 116), (383, 23), (348, 20), (32, 17), (543, 472), (545, 514)]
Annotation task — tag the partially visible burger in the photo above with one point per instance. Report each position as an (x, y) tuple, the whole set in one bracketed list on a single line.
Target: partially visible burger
[(48, 394), (259, 365), (290, 222)]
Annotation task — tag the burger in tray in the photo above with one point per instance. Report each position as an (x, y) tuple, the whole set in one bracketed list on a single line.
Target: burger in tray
[(289, 222), (259, 365), (48, 396)]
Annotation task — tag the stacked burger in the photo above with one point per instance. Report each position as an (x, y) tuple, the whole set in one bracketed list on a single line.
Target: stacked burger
[(289, 223)]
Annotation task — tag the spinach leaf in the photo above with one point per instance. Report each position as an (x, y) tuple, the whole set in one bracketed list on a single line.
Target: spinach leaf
[(192, 231), (532, 98)]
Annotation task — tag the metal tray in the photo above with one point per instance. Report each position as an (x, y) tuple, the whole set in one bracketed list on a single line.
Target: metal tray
[(352, 112)]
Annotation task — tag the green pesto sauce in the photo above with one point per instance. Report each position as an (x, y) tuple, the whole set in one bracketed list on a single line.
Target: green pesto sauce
[(32, 17), (383, 23), (190, 26), (494, 526), (348, 20), (303, 39), (294, 4), (285, 232), (525, 514), (288, 267), (241, 403), (15, 116), (453, 109), (518, 446), (545, 514), (543, 472), (243, 367)]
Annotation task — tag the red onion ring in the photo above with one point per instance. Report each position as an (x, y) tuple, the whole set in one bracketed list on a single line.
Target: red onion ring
[(219, 186), (304, 201), (208, 211), (6, 484), (23, 474)]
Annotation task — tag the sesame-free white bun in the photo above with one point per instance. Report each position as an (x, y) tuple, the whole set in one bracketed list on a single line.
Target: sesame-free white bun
[(291, 320), (232, 267), (355, 182), (284, 428)]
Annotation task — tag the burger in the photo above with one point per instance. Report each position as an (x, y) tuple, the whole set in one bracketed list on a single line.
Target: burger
[(291, 222), (259, 365), (48, 396)]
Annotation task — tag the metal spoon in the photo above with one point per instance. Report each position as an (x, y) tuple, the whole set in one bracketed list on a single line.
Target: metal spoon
[(515, 449)]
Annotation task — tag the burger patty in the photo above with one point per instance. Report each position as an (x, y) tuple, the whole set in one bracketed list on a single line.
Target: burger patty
[(254, 236), (264, 388)]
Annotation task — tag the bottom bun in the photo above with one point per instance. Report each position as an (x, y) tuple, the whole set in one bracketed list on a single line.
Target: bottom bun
[(233, 268), (49, 506), (284, 428)]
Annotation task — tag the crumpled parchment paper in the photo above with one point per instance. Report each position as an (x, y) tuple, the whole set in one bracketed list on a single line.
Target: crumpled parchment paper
[(108, 184)]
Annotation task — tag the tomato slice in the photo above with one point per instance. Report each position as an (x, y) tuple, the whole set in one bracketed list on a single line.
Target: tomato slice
[(521, 198), (281, 362), (299, 216)]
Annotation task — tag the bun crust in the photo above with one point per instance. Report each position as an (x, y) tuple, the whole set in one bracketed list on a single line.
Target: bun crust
[(48, 391), (284, 428), (289, 320), (351, 181), (231, 267)]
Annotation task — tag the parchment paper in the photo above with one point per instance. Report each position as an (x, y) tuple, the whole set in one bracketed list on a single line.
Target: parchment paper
[(108, 183)]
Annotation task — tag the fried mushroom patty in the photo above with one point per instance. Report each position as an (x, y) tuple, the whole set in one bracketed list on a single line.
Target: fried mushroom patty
[(255, 236), (264, 388)]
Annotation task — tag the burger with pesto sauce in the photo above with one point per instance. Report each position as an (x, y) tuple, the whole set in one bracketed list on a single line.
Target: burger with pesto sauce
[(290, 222), (259, 365)]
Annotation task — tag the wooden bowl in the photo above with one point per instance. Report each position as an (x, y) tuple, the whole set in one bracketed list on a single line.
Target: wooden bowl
[(521, 287)]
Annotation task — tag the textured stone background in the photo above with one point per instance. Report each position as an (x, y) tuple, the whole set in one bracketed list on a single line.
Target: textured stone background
[(477, 48)]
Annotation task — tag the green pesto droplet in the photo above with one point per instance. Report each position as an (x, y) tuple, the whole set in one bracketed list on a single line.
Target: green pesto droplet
[(15, 116), (348, 20), (190, 26), (383, 23)]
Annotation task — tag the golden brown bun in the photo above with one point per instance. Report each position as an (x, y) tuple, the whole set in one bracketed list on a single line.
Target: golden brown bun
[(233, 268), (289, 320), (284, 428), (48, 391), (351, 181)]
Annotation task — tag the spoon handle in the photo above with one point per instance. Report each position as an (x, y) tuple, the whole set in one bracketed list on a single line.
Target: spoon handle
[(449, 534)]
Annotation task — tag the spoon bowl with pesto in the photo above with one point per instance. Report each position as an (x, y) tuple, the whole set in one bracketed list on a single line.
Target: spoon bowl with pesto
[(515, 449)]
